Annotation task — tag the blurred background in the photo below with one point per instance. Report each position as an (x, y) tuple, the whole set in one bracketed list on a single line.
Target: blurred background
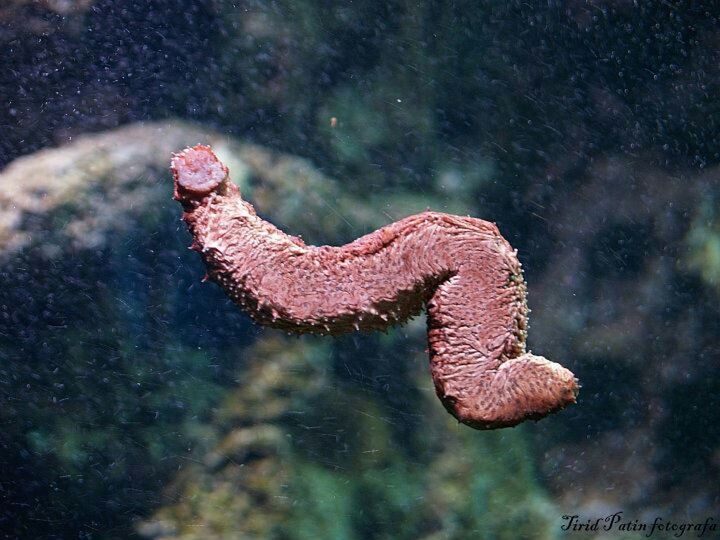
[(136, 402)]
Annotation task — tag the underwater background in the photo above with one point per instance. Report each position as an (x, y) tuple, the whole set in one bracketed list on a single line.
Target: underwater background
[(137, 402)]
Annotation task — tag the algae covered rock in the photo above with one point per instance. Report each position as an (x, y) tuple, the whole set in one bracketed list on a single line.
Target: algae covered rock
[(325, 459), (106, 182)]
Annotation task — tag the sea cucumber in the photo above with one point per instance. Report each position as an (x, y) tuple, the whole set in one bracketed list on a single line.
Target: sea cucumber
[(461, 268)]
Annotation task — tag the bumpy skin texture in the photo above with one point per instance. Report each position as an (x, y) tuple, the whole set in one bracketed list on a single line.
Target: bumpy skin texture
[(460, 267)]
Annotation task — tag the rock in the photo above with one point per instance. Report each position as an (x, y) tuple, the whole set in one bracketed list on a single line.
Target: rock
[(107, 181)]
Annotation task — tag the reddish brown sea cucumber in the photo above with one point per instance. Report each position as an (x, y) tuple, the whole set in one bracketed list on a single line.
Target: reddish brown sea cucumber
[(460, 267)]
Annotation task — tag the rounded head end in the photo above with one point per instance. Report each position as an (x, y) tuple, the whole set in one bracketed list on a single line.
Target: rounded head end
[(197, 172)]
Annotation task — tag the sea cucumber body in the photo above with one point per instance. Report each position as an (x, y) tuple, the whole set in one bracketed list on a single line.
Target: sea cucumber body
[(460, 267)]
